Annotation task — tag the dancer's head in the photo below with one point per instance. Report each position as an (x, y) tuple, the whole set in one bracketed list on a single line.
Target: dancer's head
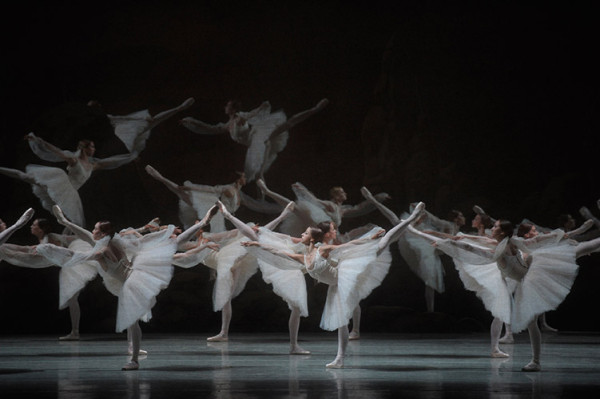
[(102, 229), (566, 222), (329, 231), (241, 179), (456, 217), (338, 194), (87, 147), (527, 230), (481, 220), (502, 229), (312, 235), (41, 227), (232, 107)]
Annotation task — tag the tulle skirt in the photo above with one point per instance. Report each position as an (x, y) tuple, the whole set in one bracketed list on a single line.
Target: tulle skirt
[(53, 187), (423, 260), (73, 279), (261, 153)]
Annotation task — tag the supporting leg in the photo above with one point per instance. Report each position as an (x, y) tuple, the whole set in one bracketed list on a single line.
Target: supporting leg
[(429, 298), (338, 362), (355, 333), (536, 347), (294, 326), (508, 335), (495, 330), (134, 332), (223, 336), (75, 314)]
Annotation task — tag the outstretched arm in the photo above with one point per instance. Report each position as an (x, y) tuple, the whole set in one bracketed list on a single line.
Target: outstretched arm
[(49, 152), (297, 257), (115, 161), (77, 230), (199, 127), (5, 235)]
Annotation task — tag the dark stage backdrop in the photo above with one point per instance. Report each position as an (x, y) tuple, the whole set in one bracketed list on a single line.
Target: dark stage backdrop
[(451, 104)]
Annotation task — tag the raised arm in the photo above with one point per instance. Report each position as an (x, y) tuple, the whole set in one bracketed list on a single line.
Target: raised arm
[(199, 127), (25, 217), (77, 230), (280, 199), (49, 152), (114, 161)]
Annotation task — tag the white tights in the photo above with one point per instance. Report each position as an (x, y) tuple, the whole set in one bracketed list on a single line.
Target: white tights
[(134, 335), (338, 362)]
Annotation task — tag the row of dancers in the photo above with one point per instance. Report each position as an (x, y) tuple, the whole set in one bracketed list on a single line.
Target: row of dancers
[(137, 263), (517, 278)]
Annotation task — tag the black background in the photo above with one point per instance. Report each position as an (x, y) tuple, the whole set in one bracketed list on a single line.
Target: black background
[(507, 92)]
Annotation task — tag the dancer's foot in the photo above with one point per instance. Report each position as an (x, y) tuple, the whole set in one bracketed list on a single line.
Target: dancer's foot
[(366, 193), (532, 366), (322, 104), (58, 213), (24, 218), (153, 172), (297, 350), (337, 363), (546, 328), (507, 339), (187, 103), (585, 212), (478, 210), (70, 337), (141, 352), (131, 366), (218, 338), (354, 335), (499, 354)]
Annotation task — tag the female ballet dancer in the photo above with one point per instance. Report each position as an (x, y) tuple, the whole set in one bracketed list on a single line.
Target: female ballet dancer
[(290, 285), (310, 210), (134, 269), (544, 279), (421, 257), (6, 232), (195, 199), (70, 280), (54, 186), (352, 270), (263, 132)]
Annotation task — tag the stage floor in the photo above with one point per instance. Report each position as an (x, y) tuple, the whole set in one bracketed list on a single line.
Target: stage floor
[(259, 366)]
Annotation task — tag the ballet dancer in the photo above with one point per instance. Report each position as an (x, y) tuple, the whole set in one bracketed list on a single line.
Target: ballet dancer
[(351, 270), (263, 132), (135, 282), (310, 210), (70, 280), (290, 285)]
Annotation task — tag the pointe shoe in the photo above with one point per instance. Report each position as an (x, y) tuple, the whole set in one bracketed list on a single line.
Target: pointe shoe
[(337, 363), (131, 366), (299, 351), (58, 213), (187, 103), (532, 366), (141, 352), (507, 339), (478, 210), (69, 337), (151, 171), (25, 217), (366, 193), (498, 354), (218, 338), (322, 104), (353, 336)]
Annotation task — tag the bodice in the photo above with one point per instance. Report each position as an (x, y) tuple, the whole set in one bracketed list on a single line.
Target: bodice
[(78, 174), (323, 269)]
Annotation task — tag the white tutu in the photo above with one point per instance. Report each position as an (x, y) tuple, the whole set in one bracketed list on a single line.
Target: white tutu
[(289, 284), (151, 272), (548, 281), (423, 260), (132, 129), (234, 268), (73, 279), (261, 153), (359, 271), (54, 187), (202, 202)]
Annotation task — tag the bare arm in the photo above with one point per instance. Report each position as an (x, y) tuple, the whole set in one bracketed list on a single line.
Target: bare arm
[(49, 152), (297, 257), (199, 127)]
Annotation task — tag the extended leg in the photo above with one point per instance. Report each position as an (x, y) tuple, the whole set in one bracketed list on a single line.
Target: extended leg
[(223, 336), (338, 362), (17, 174), (587, 247), (391, 216), (294, 326), (241, 226), (495, 330), (163, 116), (395, 232), (544, 326), (280, 199), (355, 333), (25, 217), (536, 347), (173, 187), (297, 118)]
